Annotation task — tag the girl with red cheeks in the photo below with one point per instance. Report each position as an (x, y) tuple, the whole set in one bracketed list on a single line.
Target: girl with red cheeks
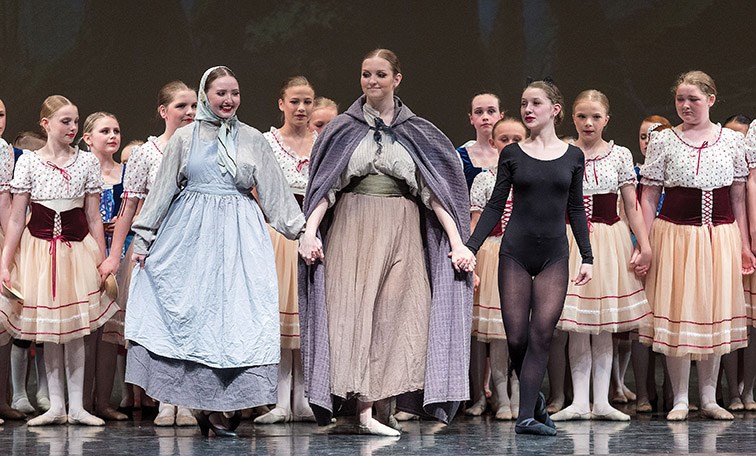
[(614, 301), (700, 244)]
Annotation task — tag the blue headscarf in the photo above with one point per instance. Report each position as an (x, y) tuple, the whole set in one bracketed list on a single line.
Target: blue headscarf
[(228, 127)]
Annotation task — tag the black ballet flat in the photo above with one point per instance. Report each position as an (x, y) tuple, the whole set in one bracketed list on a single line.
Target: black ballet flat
[(541, 415), (532, 427), (205, 425)]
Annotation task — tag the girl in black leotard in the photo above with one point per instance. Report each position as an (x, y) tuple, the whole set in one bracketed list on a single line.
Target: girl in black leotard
[(547, 180)]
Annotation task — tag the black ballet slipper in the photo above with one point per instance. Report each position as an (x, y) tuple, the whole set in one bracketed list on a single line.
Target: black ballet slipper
[(532, 427), (541, 415)]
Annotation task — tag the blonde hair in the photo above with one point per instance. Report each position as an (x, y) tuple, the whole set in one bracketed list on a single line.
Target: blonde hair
[(553, 94), (52, 104), (93, 118), (703, 81), (592, 95), (504, 120), (323, 102)]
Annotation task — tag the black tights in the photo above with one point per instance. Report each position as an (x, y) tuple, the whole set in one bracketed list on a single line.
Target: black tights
[(531, 307)]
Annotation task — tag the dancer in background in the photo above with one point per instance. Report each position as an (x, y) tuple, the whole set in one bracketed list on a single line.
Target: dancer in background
[(323, 111), (749, 282), (203, 308), (291, 146), (377, 321), (488, 327), (700, 244), (614, 301), (176, 106), (738, 122), (102, 134), (56, 258), (642, 356), (546, 177), (478, 155)]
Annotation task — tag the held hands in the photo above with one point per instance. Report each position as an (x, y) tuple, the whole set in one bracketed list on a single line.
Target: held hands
[(641, 262), (585, 274), (462, 259), (310, 248), (476, 281)]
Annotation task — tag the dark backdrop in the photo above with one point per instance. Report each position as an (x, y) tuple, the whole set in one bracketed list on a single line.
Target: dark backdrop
[(114, 56)]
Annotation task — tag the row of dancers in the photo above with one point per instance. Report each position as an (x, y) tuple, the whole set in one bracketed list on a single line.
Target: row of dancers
[(224, 316)]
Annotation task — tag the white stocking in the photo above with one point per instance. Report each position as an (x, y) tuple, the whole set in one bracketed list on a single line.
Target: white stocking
[(300, 407), (679, 376), (500, 372), (74, 352), (602, 350), (55, 369), (708, 371), (39, 364), (285, 368), (19, 363), (580, 367)]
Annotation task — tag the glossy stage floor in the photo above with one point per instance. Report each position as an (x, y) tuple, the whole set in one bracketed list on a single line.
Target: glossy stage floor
[(647, 434)]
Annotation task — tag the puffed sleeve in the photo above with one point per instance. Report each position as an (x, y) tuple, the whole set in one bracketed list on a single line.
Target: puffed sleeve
[(22, 175), (750, 145), (137, 172), (161, 196), (626, 168), (6, 166), (480, 191), (496, 204), (654, 168), (94, 180), (739, 163)]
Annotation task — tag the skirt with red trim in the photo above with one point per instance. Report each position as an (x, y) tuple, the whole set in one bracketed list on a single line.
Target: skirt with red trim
[(695, 288), (614, 300), (57, 307)]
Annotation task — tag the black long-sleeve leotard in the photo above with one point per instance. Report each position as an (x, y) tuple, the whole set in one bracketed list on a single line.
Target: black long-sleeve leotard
[(542, 190)]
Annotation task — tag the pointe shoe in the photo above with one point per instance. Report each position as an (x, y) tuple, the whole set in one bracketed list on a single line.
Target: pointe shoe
[(532, 427), (374, 427), (276, 415), (48, 419), (504, 413), (644, 407), (750, 406), (404, 416), (570, 415), (205, 425), (166, 417), (736, 405), (9, 413), (477, 409), (628, 393), (43, 403), (85, 418), (612, 415), (715, 412), (109, 414), (184, 417), (127, 410), (619, 397), (23, 405), (677, 415)]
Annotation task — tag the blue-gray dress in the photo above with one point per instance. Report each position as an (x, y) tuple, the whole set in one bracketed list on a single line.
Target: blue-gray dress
[(202, 316)]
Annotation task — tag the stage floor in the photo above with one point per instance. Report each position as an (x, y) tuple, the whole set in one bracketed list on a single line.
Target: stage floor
[(649, 434)]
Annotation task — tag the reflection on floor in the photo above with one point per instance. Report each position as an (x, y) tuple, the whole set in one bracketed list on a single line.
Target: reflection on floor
[(481, 435)]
